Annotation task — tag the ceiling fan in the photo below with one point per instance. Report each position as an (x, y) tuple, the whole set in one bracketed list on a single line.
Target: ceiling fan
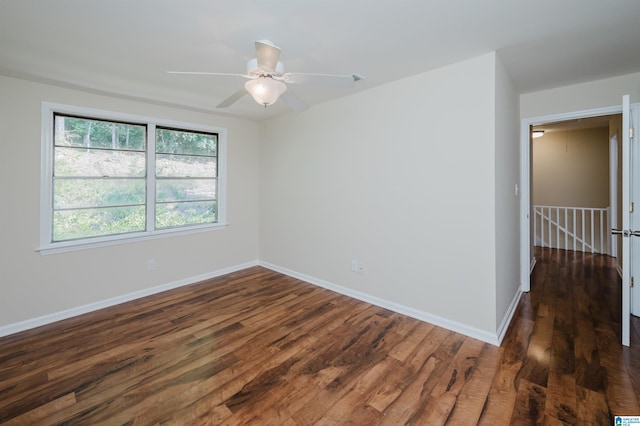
[(268, 81)]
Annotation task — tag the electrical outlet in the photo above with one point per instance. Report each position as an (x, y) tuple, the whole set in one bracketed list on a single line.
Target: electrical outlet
[(151, 264), (357, 267)]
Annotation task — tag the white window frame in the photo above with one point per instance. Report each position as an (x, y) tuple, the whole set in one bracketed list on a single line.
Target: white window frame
[(47, 246)]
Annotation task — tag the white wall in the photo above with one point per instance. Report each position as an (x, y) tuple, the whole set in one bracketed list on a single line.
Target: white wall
[(579, 97), (401, 177), (32, 285), (507, 203)]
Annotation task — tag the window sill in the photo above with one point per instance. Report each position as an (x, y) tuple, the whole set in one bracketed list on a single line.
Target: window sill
[(88, 244)]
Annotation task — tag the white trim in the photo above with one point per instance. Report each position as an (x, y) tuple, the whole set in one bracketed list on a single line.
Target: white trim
[(455, 326), (91, 307), (395, 307), (525, 184), (91, 243), (533, 264), (506, 321), (525, 208), (634, 295), (150, 180), (627, 220), (613, 194)]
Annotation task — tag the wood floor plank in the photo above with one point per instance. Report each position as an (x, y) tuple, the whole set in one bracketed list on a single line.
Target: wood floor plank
[(530, 404), (460, 370), (536, 364), (414, 401), (592, 407), (355, 399), (474, 395), (504, 389), (44, 413), (502, 395), (311, 375), (632, 362), (561, 400), (346, 357), (259, 347), (560, 404)]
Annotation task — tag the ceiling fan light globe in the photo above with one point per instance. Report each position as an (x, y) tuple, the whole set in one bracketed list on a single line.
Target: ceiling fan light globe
[(265, 90)]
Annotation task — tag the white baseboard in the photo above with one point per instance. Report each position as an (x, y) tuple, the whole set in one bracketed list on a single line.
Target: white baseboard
[(504, 325), (619, 269), (494, 339), (532, 265), (395, 307), (69, 313)]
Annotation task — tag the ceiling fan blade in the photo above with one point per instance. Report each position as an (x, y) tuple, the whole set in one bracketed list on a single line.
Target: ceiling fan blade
[(267, 55), (294, 102), (207, 73), (322, 79), (232, 99)]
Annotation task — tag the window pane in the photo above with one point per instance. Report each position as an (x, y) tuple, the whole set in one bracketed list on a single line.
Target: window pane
[(185, 166), (170, 141), (185, 189), (73, 224), (180, 214), (78, 193), (98, 162), (84, 132)]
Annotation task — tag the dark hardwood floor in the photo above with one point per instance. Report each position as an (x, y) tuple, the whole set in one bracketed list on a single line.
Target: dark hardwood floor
[(258, 347)]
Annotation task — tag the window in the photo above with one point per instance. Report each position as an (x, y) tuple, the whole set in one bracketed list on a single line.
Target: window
[(108, 177), (99, 178), (186, 180)]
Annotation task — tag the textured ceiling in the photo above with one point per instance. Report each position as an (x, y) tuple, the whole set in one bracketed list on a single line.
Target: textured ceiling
[(125, 47)]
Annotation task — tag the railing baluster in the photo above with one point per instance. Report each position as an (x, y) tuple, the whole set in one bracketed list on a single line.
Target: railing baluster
[(582, 233), (535, 224), (601, 235), (575, 213), (593, 242), (542, 227), (557, 227), (566, 234), (550, 223)]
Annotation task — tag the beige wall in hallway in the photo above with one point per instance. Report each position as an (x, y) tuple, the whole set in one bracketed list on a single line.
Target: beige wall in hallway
[(571, 168)]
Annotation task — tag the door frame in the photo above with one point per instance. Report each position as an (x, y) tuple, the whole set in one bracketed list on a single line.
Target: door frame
[(527, 263), (613, 193)]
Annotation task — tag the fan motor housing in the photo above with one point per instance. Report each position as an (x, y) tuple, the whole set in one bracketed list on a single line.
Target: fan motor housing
[(253, 70)]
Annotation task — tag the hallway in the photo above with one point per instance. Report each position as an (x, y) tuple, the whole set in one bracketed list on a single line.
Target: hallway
[(567, 334)]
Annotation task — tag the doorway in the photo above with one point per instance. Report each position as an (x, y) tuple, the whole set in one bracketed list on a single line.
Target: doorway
[(527, 260), (574, 191), (527, 239), (630, 183)]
